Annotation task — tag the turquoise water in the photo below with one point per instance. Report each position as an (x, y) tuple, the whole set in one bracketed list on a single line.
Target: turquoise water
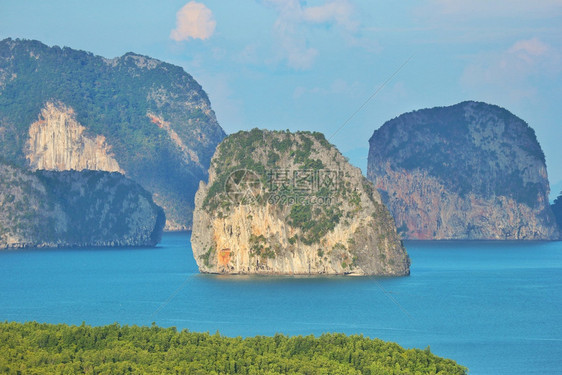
[(493, 307)]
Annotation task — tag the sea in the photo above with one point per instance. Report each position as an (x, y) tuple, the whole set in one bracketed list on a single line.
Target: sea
[(494, 307)]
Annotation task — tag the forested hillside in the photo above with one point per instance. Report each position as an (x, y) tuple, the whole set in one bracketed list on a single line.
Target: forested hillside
[(472, 171), (152, 117), (56, 349), (75, 209)]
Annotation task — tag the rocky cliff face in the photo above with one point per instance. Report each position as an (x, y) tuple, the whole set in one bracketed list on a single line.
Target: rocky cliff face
[(469, 171), (282, 203), (557, 211), (75, 209), (62, 109), (57, 142)]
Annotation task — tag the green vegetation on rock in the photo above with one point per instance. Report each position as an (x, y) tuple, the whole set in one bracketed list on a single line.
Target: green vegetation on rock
[(469, 150), (467, 171), (244, 150), (277, 201), (36, 348), (114, 98), (70, 208)]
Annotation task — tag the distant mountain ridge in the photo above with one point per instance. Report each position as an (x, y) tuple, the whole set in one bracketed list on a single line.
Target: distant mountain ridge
[(64, 109), (467, 171)]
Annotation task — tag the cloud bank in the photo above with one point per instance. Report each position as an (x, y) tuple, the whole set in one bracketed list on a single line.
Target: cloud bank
[(194, 20), (293, 19)]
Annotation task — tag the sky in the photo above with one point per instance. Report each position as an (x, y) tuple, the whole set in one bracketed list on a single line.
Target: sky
[(313, 65)]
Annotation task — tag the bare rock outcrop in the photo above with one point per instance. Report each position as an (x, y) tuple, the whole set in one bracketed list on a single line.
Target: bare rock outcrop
[(58, 142)]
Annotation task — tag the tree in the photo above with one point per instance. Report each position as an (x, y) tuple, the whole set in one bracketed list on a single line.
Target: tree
[(46, 348)]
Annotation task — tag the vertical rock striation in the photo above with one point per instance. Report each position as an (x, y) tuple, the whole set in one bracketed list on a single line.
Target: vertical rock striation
[(58, 142)]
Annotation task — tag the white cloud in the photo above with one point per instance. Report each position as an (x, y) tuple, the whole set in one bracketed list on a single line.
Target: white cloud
[(293, 19), (194, 20), (513, 69), (529, 49), (339, 12)]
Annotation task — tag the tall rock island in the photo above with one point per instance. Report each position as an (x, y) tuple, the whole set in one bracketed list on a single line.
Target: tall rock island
[(63, 109), (290, 203), (468, 171), (75, 209), (557, 211)]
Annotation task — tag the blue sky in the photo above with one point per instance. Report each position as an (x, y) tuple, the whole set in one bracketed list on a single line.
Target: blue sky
[(289, 64)]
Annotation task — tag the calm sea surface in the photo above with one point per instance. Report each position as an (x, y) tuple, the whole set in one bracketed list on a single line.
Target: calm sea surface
[(493, 307)]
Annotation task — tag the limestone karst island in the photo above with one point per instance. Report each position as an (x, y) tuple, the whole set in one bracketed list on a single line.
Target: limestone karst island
[(470, 171), (65, 109), (289, 203)]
